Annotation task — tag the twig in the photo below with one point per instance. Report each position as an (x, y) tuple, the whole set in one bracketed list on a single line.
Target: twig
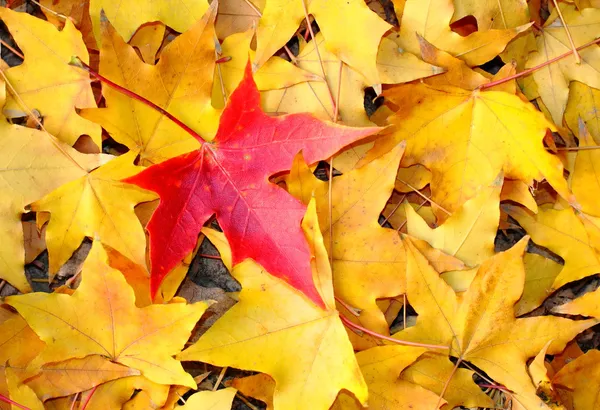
[(220, 378), (394, 210), (62, 16), (416, 191), (352, 325), (74, 401), (537, 67), (566, 27), (578, 148), (14, 50), (76, 61)]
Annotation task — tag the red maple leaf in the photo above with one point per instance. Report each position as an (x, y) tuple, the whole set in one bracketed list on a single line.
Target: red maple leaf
[(230, 178)]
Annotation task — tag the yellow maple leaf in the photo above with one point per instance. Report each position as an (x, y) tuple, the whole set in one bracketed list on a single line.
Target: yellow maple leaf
[(433, 369), (75, 375), (210, 400), (553, 80), (583, 103), (180, 83), (127, 16), (355, 44), (98, 206), (480, 326), (467, 138), (101, 318), (575, 379), (276, 330), (45, 81), (469, 233), (431, 20), (381, 366), (568, 234), (25, 181)]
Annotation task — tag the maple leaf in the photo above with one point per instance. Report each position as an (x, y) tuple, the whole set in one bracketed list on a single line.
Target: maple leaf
[(180, 83), (467, 234), (25, 181), (480, 326), (467, 138), (583, 104), (380, 367), (128, 16), (144, 339), (45, 81), (553, 80), (567, 233), (210, 400), (98, 206), (75, 375), (431, 20), (354, 44), (314, 97), (573, 381), (432, 371), (314, 359), (20, 345), (229, 179)]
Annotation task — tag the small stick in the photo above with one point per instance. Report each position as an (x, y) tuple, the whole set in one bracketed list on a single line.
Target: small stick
[(578, 148), (537, 67), (74, 401), (394, 210), (220, 378), (566, 27), (441, 396), (352, 325), (245, 400), (424, 197), (14, 50)]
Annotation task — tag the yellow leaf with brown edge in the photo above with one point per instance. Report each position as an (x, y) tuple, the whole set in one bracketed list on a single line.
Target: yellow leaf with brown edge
[(97, 206), (553, 80), (467, 138), (210, 400), (565, 233), (21, 393), (467, 234), (355, 44), (45, 81), (144, 339), (314, 359), (583, 102), (431, 20), (75, 375), (480, 327), (433, 369), (578, 382), (180, 15), (381, 366), (25, 181), (180, 83)]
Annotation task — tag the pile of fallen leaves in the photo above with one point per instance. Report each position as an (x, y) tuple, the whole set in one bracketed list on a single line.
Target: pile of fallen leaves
[(406, 191)]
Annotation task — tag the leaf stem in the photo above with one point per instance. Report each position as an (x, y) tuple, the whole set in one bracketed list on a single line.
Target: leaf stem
[(353, 310), (14, 50), (537, 67), (445, 388), (89, 397), (352, 325), (76, 61), (566, 27)]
